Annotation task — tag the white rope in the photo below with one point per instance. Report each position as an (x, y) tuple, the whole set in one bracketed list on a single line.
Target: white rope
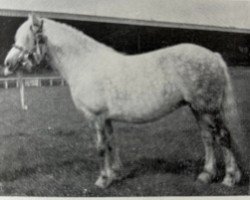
[(22, 95)]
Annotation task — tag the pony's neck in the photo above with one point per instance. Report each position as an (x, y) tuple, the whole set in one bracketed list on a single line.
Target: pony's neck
[(70, 50)]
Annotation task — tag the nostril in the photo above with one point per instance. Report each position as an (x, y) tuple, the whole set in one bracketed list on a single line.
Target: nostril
[(7, 63)]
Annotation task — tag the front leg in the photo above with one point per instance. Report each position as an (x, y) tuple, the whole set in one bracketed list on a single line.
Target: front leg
[(109, 158)]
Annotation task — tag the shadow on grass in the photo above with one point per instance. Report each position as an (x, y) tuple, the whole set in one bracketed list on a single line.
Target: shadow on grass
[(159, 165), (132, 170), (185, 167)]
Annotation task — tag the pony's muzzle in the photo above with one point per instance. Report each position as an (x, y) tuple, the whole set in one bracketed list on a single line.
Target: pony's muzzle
[(11, 61), (6, 71)]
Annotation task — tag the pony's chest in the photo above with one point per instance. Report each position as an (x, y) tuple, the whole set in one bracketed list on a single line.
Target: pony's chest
[(87, 95)]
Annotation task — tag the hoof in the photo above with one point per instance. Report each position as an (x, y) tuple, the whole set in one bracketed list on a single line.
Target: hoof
[(231, 179), (103, 182), (205, 177)]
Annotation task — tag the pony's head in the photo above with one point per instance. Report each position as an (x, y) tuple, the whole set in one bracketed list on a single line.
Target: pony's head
[(30, 46)]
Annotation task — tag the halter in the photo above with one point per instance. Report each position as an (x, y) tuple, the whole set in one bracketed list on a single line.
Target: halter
[(32, 56)]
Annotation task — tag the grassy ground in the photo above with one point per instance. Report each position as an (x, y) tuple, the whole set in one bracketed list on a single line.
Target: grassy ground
[(49, 149)]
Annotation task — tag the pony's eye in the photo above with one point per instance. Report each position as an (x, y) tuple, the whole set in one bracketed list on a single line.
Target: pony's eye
[(31, 29), (40, 40), (30, 56)]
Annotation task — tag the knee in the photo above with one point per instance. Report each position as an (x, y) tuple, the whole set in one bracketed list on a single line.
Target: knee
[(101, 152), (224, 138), (103, 148), (100, 149)]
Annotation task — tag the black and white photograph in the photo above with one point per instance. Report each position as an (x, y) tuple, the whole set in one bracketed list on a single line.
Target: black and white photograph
[(124, 98)]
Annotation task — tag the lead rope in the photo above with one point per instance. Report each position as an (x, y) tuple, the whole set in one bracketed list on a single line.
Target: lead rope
[(21, 89), (23, 105)]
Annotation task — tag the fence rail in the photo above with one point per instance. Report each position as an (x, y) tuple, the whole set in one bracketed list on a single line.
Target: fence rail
[(48, 81)]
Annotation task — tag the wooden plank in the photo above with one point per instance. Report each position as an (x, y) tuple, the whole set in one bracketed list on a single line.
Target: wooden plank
[(32, 81)]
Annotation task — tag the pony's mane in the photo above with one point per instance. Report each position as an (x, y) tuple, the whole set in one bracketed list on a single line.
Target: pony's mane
[(68, 31)]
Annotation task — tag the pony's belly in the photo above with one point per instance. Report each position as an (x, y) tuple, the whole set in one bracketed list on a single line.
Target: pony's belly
[(144, 110), (139, 116)]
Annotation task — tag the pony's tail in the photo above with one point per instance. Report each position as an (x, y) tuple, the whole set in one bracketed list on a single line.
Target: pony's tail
[(231, 119)]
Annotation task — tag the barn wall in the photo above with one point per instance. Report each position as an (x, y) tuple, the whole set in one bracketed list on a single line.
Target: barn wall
[(138, 39)]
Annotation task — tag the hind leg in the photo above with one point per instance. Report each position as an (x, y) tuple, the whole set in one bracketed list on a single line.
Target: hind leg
[(206, 125), (233, 173)]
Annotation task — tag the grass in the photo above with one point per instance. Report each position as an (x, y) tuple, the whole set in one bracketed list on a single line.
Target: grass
[(49, 149)]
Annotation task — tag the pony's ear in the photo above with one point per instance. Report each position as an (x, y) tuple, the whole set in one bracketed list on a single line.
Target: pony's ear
[(36, 23)]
